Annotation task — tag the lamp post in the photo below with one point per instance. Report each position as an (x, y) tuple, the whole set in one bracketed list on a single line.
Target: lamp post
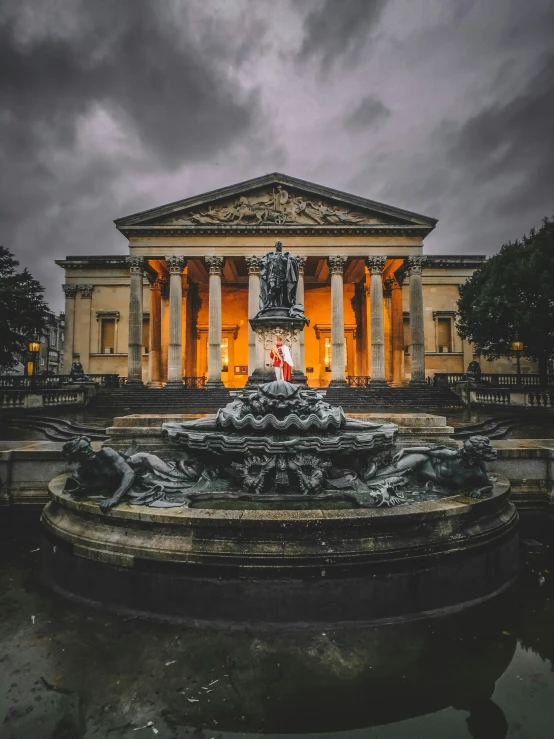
[(34, 349), (517, 347)]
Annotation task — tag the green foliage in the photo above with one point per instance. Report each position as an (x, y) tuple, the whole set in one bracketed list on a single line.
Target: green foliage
[(23, 312), (512, 296)]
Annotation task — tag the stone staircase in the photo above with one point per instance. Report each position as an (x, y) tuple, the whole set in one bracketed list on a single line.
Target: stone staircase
[(141, 399), (399, 399)]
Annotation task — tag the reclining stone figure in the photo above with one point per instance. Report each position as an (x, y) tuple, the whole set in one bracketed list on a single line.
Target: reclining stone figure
[(138, 478)]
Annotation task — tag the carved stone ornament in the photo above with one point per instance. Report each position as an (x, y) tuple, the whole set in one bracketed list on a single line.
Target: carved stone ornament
[(154, 280), (70, 290), (388, 286), (399, 277), (336, 264), (301, 264), (253, 264), (375, 264), (215, 264), (86, 291), (136, 265), (176, 265), (415, 265), (164, 287), (277, 207)]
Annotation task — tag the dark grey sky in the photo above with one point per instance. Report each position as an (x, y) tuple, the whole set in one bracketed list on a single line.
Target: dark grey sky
[(108, 107)]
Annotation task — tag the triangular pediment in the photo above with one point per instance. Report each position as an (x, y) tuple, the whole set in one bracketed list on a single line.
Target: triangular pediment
[(272, 201)]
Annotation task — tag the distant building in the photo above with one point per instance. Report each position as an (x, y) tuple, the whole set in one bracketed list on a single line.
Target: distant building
[(50, 359)]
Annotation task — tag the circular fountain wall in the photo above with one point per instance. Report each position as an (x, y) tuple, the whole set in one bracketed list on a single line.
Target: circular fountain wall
[(285, 565), (280, 509)]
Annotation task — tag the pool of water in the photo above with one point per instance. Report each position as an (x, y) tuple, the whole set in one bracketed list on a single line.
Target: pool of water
[(68, 671)]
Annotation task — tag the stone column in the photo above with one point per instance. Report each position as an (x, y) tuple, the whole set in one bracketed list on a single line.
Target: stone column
[(69, 332), (376, 265), (155, 356), (134, 355), (81, 332), (298, 346), (214, 326), (338, 370), (397, 329), (417, 337), (175, 265), (253, 264), (387, 315)]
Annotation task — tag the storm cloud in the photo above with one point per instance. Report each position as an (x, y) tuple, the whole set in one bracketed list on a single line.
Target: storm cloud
[(109, 107)]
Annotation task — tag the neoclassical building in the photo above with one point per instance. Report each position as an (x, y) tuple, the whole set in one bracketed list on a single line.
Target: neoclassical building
[(178, 305)]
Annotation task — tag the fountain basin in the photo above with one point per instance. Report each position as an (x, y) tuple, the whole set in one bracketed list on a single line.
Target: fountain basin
[(279, 566)]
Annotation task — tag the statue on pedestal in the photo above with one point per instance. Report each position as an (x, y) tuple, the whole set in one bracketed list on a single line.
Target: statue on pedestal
[(278, 279)]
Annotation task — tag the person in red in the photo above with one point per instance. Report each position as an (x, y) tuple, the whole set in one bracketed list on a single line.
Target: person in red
[(282, 360)]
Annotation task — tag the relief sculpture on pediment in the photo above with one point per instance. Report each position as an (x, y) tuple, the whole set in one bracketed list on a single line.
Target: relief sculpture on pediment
[(276, 207)]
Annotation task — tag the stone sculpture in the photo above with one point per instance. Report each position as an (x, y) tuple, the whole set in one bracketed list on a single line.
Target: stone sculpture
[(473, 372), (77, 373), (278, 279), (441, 469), (137, 478), (280, 440), (278, 206)]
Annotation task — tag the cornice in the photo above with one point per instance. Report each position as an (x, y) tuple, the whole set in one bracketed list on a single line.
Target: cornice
[(378, 230)]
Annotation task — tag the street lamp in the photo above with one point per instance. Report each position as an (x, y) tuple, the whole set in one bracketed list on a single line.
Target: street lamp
[(34, 349), (517, 347)]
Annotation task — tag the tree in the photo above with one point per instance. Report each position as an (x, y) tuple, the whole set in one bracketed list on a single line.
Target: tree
[(512, 296), (23, 312)]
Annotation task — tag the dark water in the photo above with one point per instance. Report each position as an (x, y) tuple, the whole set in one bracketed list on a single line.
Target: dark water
[(67, 671)]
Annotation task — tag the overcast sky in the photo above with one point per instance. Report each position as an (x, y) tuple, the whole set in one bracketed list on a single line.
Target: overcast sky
[(108, 107)]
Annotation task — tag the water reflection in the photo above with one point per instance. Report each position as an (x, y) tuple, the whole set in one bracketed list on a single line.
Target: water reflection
[(108, 675)]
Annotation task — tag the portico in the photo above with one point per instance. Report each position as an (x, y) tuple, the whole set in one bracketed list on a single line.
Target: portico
[(177, 308)]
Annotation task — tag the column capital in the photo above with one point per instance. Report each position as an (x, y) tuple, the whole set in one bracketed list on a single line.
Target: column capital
[(70, 290), (215, 263), (375, 264), (86, 291), (336, 264), (253, 264), (415, 264), (301, 261), (136, 265), (176, 265)]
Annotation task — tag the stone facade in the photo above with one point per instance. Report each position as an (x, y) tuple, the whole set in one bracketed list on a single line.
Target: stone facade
[(196, 262)]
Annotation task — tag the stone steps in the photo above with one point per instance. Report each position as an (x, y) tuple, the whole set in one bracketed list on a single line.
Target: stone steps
[(352, 399), (174, 400), (184, 400)]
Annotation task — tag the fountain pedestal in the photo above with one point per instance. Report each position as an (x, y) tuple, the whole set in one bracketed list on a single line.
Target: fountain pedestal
[(268, 325)]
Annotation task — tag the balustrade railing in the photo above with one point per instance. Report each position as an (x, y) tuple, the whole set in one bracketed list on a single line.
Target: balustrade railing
[(359, 380), (493, 397), (194, 382), (48, 382), (495, 379), (540, 400)]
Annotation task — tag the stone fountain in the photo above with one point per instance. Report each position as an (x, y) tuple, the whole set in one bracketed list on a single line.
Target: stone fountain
[(280, 508)]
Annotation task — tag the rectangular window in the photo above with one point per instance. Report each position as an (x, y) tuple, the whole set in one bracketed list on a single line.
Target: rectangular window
[(407, 338), (327, 360), (107, 336), (444, 335), (145, 335), (329, 353), (225, 355)]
